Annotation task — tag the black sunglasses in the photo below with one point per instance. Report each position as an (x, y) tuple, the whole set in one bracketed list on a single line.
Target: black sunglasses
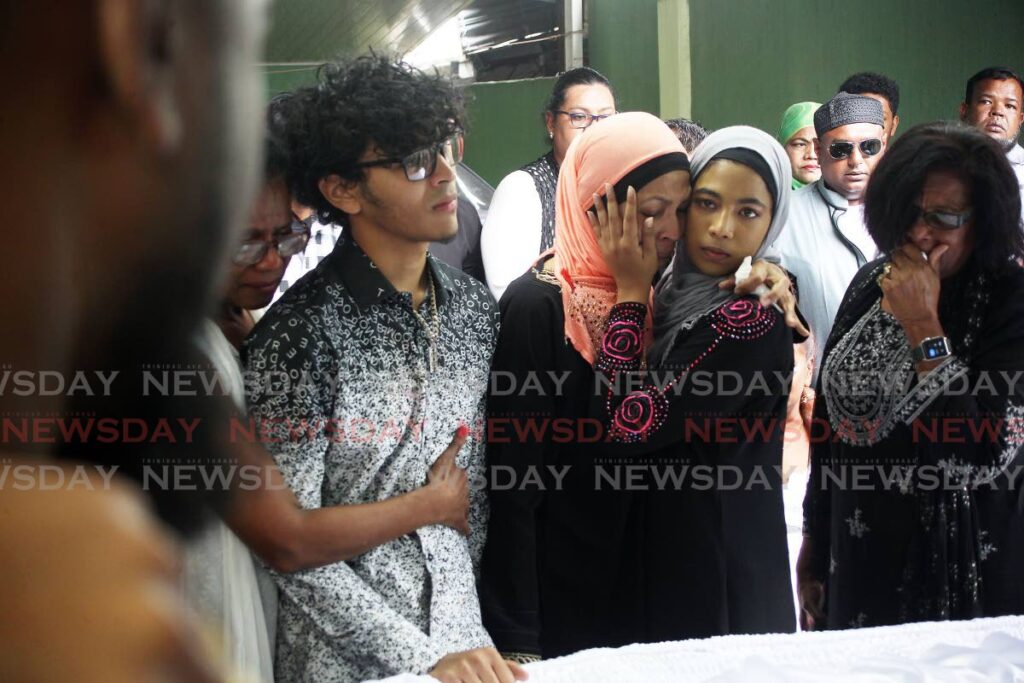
[(841, 150), (420, 164), (943, 220)]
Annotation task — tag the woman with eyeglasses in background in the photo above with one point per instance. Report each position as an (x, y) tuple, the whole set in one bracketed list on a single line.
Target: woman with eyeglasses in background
[(913, 510), (521, 217)]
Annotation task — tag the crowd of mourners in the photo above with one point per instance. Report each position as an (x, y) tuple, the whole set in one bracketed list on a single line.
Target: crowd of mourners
[(572, 424), (590, 478)]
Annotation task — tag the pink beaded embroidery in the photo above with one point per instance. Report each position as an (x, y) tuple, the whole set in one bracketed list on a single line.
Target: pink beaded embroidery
[(622, 344), (645, 411)]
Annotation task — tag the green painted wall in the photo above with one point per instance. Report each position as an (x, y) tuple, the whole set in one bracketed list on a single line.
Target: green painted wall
[(506, 129), (753, 58), (622, 43), (279, 79)]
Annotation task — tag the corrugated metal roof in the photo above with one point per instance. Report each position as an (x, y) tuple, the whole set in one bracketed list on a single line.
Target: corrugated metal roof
[(306, 31)]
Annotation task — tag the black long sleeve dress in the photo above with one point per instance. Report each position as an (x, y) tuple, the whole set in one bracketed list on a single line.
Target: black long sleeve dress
[(915, 502), (559, 571)]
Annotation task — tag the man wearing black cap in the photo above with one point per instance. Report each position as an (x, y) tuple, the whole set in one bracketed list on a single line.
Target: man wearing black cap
[(825, 242)]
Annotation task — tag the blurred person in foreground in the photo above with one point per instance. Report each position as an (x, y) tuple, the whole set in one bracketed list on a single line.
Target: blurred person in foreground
[(140, 121)]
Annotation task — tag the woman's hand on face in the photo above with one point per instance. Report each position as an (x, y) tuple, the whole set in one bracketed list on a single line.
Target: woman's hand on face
[(910, 290), (628, 250), (780, 292)]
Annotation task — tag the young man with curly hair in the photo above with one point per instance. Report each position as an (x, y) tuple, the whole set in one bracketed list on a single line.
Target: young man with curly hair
[(374, 359)]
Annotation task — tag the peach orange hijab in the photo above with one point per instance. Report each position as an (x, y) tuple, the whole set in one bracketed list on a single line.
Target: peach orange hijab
[(604, 153)]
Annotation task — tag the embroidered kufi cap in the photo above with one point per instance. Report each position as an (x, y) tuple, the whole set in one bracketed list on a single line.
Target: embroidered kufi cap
[(844, 109)]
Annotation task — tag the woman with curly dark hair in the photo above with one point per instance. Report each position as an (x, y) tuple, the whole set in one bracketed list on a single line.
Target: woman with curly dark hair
[(913, 510)]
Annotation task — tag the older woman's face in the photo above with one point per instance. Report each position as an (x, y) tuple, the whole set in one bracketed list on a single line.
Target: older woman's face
[(803, 156), (594, 99), (252, 287), (945, 192), (729, 215), (663, 200)]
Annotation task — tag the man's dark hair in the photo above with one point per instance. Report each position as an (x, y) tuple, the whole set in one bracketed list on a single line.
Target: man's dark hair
[(690, 133), (276, 155), (890, 205), (876, 84), (581, 75), (995, 73), (371, 100)]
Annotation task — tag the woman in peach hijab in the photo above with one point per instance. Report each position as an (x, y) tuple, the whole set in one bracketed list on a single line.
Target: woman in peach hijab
[(549, 584)]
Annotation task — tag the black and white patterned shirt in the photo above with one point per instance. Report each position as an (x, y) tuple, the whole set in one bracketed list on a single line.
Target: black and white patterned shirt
[(339, 380)]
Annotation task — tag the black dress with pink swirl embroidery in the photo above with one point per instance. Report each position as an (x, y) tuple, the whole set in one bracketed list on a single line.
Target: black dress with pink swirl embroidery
[(704, 432)]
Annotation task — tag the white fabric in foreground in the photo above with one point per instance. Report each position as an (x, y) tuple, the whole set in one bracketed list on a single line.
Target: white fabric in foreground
[(978, 650), (219, 577)]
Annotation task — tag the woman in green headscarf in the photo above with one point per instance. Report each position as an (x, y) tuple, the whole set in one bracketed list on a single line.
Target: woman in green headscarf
[(800, 141)]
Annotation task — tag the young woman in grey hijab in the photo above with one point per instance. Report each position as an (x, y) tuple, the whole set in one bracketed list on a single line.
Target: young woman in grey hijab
[(707, 425)]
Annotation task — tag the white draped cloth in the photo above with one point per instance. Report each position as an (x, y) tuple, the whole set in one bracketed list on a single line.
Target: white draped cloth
[(977, 650)]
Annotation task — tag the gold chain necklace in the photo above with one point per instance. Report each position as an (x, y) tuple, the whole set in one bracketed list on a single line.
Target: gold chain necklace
[(432, 334)]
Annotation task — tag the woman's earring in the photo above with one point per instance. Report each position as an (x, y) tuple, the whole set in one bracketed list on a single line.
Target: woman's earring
[(551, 134)]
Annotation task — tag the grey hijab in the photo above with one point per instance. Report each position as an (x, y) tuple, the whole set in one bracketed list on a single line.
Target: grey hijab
[(684, 294)]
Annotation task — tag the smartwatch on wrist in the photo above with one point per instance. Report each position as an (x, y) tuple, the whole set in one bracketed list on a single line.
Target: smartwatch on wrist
[(932, 348)]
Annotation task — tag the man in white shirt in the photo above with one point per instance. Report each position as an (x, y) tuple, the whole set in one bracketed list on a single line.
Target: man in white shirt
[(826, 242), (992, 104)]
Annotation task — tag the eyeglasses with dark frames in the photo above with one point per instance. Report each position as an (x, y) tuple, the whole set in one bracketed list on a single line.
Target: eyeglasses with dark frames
[(420, 164), (251, 252), (944, 220), (842, 149), (579, 119)]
